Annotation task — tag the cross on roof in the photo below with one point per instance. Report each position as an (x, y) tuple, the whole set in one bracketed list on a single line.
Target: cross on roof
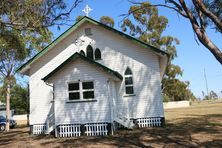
[(87, 10)]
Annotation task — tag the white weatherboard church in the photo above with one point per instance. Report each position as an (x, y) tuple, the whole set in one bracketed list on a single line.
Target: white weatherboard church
[(93, 78)]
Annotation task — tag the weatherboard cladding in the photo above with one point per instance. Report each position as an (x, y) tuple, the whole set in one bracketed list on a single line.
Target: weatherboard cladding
[(83, 112), (79, 23), (117, 54)]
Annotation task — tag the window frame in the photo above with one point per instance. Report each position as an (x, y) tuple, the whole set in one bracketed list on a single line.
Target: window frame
[(100, 54), (81, 91), (88, 31), (128, 85), (82, 53), (90, 53), (74, 91), (87, 90)]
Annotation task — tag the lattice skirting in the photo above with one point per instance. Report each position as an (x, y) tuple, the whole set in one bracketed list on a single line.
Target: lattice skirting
[(149, 122), (69, 130), (89, 129), (38, 129)]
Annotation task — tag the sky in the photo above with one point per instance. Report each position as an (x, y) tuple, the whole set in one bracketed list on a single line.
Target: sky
[(192, 58)]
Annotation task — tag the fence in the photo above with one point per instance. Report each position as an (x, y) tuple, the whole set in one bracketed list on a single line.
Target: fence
[(89, 129), (38, 129), (149, 122), (96, 129), (176, 104), (69, 130)]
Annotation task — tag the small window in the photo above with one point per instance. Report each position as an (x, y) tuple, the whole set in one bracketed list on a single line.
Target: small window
[(128, 81), (88, 31), (88, 90), (82, 53), (89, 52), (81, 90), (74, 91), (97, 54)]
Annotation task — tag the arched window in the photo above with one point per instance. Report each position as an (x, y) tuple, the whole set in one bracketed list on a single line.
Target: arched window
[(128, 75), (97, 54), (89, 52), (82, 53)]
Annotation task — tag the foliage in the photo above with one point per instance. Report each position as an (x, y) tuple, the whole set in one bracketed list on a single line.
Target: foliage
[(213, 95), (201, 14), (78, 18), (24, 27), (35, 15), (106, 20), (145, 24), (19, 99), (210, 96)]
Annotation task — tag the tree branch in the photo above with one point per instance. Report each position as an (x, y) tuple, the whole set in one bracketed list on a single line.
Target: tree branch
[(208, 13)]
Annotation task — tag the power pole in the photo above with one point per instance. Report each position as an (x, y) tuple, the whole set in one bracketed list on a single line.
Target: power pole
[(206, 82)]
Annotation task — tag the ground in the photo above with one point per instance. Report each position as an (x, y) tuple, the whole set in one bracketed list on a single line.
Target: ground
[(197, 126)]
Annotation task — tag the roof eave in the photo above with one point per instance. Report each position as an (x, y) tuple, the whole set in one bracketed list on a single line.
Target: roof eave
[(52, 44)]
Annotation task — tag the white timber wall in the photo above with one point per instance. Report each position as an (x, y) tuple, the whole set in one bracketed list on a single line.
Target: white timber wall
[(117, 54), (40, 93), (67, 112)]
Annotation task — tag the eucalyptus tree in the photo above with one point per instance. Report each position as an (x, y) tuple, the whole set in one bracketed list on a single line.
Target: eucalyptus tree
[(201, 14), (24, 27), (106, 20)]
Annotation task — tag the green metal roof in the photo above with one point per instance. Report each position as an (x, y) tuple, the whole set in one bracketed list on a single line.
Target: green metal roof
[(86, 59), (76, 25)]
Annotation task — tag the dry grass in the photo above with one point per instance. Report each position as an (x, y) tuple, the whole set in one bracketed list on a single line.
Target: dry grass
[(197, 126)]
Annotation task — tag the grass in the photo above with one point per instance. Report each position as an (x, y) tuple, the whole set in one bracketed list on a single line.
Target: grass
[(197, 126)]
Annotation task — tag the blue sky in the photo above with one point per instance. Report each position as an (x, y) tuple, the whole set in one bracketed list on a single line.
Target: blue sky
[(192, 58)]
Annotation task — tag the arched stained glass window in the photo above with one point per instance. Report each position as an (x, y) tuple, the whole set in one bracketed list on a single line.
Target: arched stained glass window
[(97, 54), (89, 52), (128, 76)]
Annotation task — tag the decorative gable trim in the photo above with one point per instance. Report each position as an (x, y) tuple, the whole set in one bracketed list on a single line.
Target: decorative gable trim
[(88, 60)]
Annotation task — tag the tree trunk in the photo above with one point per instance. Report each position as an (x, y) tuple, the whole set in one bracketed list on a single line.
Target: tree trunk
[(8, 107), (204, 39)]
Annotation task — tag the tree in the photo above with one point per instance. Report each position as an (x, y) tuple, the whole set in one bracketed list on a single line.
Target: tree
[(36, 14), (19, 98), (145, 24), (202, 14), (12, 51), (213, 95), (24, 27), (106, 20), (78, 18)]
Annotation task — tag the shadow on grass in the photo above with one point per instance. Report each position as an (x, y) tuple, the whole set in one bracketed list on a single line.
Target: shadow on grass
[(189, 132), (196, 131)]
